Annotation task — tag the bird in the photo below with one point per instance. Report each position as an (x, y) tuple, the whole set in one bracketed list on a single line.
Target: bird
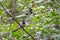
[(22, 25)]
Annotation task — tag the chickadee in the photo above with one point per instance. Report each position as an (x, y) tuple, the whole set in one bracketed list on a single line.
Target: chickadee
[(22, 24)]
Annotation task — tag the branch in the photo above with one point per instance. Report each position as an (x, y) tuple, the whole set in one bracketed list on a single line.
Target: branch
[(17, 22)]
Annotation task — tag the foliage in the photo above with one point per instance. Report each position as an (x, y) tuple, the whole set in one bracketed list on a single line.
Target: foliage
[(42, 19)]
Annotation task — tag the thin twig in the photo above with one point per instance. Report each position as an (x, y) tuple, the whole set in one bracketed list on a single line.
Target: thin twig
[(17, 22)]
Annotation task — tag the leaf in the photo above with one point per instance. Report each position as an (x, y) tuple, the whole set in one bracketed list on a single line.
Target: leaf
[(52, 14)]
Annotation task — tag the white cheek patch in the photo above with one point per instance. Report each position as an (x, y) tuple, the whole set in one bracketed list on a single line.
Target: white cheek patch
[(21, 23)]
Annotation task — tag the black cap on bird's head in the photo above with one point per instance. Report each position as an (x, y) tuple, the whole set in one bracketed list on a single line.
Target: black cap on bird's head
[(23, 22)]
